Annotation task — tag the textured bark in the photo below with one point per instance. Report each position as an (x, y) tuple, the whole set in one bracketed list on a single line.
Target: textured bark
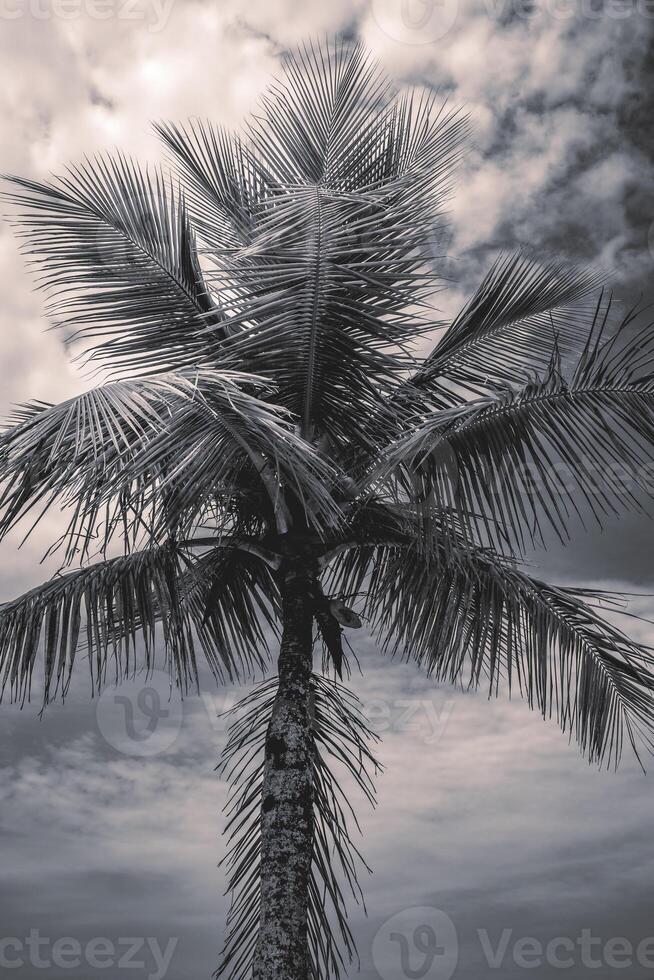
[(287, 824)]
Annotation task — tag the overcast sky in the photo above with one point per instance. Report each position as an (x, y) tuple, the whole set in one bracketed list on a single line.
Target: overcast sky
[(486, 817)]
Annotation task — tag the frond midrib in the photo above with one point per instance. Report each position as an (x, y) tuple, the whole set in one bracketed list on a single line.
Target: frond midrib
[(491, 412), (313, 330), (179, 283)]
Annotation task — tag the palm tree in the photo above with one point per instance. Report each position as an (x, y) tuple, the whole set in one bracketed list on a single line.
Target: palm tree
[(266, 449)]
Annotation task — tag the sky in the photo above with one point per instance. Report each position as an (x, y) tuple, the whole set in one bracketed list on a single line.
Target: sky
[(490, 830)]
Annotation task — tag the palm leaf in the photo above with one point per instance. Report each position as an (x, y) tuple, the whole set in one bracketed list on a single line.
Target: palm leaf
[(113, 247), (481, 620), (545, 453), (323, 231), (107, 607), (521, 311), (221, 186), (160, 447), (118, 611), (232, 599)]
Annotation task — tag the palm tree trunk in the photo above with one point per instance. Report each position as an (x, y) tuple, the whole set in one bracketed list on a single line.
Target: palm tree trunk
[(287, 824)]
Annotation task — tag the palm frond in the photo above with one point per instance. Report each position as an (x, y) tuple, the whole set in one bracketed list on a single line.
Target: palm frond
[(117, 613), (316, 334), (313, 117), (324, 232), (522, 310), (341, 745), (232, 598), (210, 442), (221, 186), (106, 608), (157, 447), (545, 453), (476, 619), (112, 245)]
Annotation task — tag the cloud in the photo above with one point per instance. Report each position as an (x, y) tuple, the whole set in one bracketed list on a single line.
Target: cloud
[(554, 160)]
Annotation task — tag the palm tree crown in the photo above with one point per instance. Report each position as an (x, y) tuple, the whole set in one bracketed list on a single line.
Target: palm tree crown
[(264, 416)]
